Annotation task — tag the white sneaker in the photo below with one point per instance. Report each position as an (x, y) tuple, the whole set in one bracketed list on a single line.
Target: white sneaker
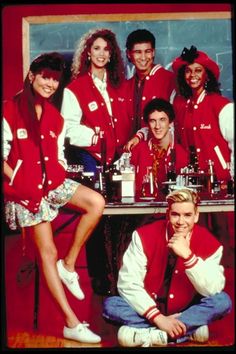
[(81, 333), (70, 279), (141, 337), (201, 334)]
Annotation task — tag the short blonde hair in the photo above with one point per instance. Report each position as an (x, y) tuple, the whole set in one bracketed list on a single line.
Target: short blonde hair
[(183, 195)]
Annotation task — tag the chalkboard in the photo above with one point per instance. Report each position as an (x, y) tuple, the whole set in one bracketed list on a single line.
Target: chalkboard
[(212, 35)]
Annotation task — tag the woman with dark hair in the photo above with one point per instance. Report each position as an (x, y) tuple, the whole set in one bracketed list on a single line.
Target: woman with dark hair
[(93, 106), (204, 118), (35, 183)]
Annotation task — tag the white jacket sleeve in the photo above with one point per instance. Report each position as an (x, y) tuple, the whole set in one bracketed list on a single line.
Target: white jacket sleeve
[(7, 138), (61, 148), (143, 133), (79, 134), (226, 122), (207, 276), (131, 277)]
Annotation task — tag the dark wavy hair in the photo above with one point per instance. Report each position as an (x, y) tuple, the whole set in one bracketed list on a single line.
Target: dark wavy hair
[(212, 85), (160, 105), (25, 99), (81, 64)]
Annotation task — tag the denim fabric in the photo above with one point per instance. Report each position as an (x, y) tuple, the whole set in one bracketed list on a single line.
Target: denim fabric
[(117, 310), (87, 160), (209, 309)]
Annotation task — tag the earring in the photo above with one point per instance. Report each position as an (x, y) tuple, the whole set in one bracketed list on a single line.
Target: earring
[(89, 57), (206, 84)]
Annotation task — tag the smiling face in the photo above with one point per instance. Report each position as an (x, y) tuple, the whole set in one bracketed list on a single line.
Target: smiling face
[(195, 76), (142, 56), (45, 83), (99, 53), (182, 217), (159, 125)]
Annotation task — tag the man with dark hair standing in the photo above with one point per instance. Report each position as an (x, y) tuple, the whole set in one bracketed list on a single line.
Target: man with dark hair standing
[(149, 80)]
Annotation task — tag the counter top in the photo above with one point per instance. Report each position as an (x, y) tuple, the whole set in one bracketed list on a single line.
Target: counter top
[(129, 206)]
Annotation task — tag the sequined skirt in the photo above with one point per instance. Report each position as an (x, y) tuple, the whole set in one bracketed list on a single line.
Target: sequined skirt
[(18, 216)]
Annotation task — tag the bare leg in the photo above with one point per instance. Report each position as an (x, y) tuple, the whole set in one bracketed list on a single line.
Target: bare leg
[(43, 238), (92, 205)]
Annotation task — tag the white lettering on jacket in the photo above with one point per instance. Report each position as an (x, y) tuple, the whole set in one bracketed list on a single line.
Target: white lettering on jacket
[(204, 126), (52, 134)]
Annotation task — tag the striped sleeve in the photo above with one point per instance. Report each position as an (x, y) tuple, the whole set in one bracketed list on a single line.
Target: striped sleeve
[(190, 261), (206, 275)]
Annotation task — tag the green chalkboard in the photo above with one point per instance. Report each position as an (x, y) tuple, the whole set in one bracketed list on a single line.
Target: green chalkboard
[(213, 36)]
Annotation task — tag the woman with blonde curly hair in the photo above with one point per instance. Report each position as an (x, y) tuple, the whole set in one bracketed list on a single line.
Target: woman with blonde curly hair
[(93, 106)]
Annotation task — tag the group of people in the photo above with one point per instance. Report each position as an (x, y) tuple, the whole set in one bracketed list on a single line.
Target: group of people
[(102, 114)]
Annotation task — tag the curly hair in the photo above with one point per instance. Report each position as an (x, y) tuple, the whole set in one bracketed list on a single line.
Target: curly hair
[(81, 64), (212, 85)]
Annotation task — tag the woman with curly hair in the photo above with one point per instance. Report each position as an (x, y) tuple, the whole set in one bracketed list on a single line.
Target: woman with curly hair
[(97, 124), (93, 106)]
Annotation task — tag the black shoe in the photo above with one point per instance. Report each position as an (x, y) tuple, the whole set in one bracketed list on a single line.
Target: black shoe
[(101, 286)]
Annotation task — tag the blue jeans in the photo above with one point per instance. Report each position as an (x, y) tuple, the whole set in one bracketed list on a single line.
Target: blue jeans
[(84, 158), (209, 309)]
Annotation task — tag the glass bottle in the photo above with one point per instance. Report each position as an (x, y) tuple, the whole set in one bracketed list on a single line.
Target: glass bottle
[(148, 185), (100, 181), (113, 184), (127, 178), (230, 182), (214, 186)]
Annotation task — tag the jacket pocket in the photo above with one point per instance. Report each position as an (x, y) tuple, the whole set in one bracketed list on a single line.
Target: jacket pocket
[(18, 164)]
